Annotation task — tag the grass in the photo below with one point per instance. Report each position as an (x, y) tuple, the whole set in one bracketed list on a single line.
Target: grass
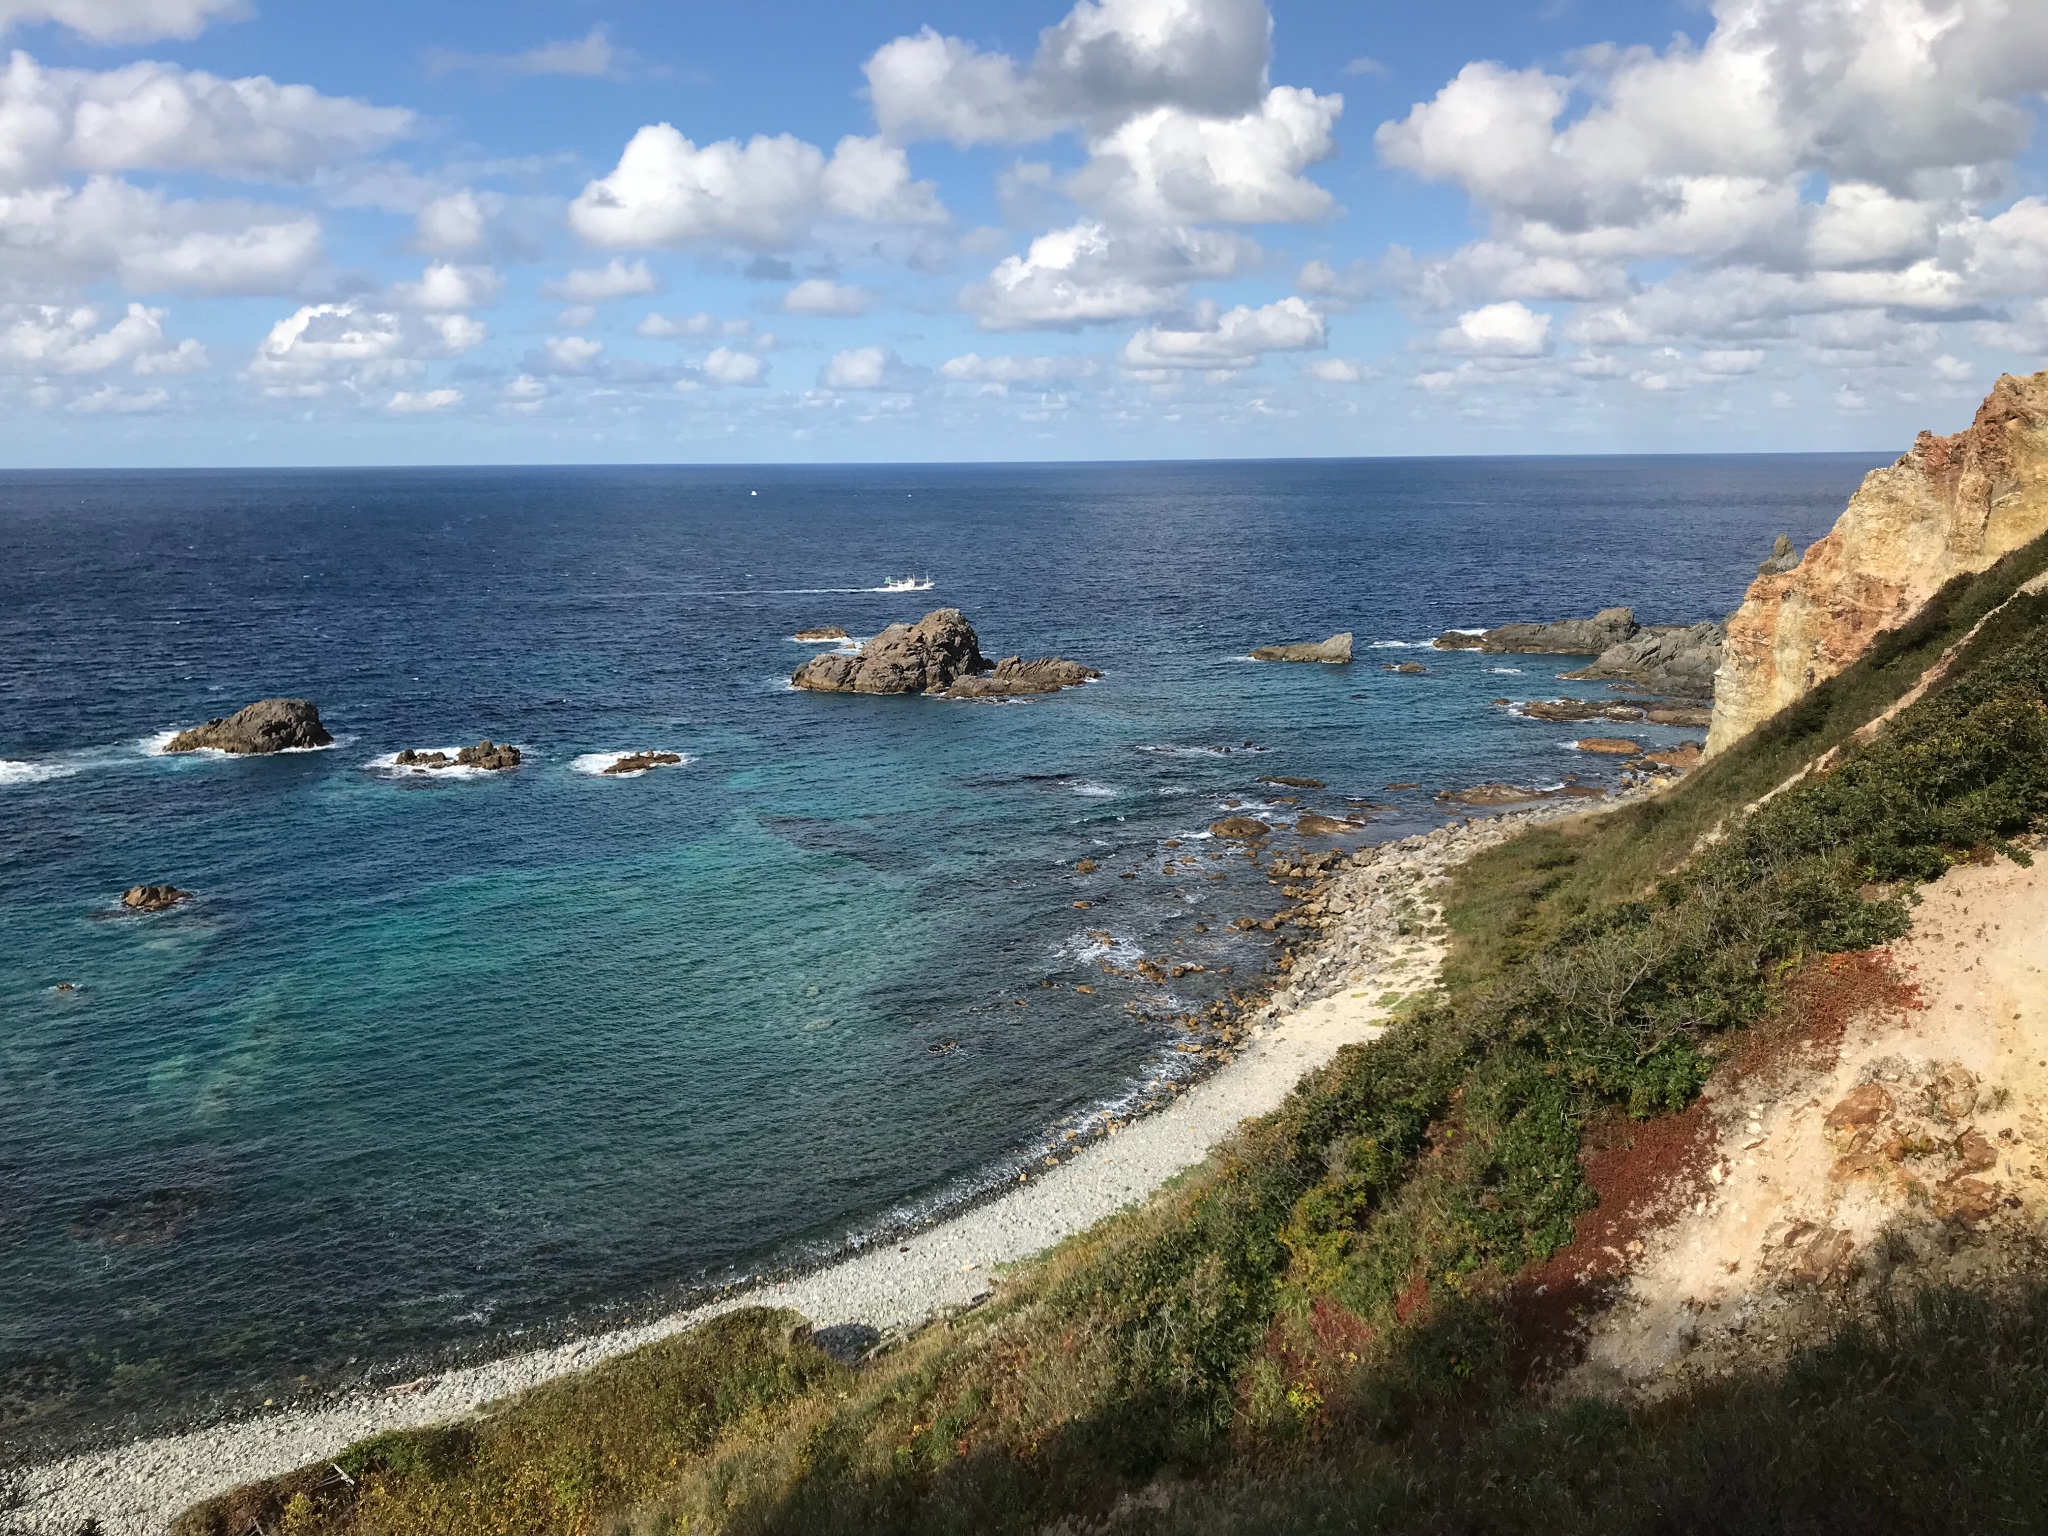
[(1320, 1303)]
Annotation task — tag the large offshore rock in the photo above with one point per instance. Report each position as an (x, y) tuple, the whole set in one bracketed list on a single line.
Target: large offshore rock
[(1561, 637), (1951, 506), (1335, 651), (1667, 658), (939, 654), (268, 725)]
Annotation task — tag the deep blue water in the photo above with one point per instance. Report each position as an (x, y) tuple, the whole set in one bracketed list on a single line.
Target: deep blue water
[(431, 1065)]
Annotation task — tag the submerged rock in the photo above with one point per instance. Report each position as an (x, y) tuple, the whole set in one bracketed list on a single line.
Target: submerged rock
[(1409, 668), (153, 898), (1281, 778), (268, 725), (939, 654), (1335, 651)]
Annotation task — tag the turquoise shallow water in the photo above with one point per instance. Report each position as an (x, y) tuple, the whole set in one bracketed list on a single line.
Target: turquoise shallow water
[(438, 1066)]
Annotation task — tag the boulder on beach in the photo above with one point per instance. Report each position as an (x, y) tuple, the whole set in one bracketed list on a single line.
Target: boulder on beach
[(1561, 637), (939, 654), (153, 898), (1013, 676), (824, 632), (1614, 746), (1239, 828), (268, 725), (640, 762), (1334, 651)]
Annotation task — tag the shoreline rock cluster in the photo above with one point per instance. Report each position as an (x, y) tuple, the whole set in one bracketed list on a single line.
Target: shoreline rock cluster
[(488, 755), (939, 655), (1669, 658)]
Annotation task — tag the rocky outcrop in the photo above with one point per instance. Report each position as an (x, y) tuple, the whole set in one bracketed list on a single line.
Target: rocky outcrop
[(488, 755), (1239, 828), (938, 654), (1950, 507), (1315, 824), (1562, 637), (1669, 658), (268, 725), (1335, 651), (1013, 676), (640, 762), (153, 898), (1615, 746), (823, 632), (1783, 557)]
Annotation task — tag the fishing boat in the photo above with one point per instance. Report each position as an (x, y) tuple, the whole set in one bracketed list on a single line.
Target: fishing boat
[(906, 584)]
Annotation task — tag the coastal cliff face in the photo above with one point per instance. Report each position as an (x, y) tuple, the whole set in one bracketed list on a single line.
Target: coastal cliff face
[(1951, 506)]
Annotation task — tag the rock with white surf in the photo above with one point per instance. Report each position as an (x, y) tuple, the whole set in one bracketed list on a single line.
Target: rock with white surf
[(939, 654), (268, 725)]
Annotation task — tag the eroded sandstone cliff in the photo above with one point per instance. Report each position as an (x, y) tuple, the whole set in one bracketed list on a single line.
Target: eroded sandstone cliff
[(1952, 505)]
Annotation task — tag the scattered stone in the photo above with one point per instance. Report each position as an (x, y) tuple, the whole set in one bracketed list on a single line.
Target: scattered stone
[(1335, 651), (1239, 828), (1864, 1107), (1612, 745), (268, 725), (152, 898), (634, 762)]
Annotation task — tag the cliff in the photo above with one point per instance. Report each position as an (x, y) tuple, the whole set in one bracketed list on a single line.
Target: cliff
[(1951, 506)]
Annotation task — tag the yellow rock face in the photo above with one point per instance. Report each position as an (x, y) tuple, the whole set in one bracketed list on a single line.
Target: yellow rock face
[(1953, 505)]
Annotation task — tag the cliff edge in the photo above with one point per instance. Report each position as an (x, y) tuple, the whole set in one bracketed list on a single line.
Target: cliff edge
[(1951, 506)]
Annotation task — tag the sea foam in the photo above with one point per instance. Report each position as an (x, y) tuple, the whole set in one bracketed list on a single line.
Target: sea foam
[(15, 772)]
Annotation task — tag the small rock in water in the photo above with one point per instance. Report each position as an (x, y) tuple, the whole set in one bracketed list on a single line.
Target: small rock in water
[(1281, 778), (150, 898), (1241, 828), (1613, 745), (634, 762), (1335, 651), (1085, 867), (488, 755)]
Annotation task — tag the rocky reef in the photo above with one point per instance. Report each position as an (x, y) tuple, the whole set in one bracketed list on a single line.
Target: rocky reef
[(1951, 506), (1334, 651), (640, 762), (820, 632), (939, 654), (488, 755), (1669, 658), (268, 725), (153, 898), (1561, 637)]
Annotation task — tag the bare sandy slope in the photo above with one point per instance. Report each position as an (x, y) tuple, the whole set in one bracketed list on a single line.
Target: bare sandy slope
[(1919, 1152), (1376, 944)]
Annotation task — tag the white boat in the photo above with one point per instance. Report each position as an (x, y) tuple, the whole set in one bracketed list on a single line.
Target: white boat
[(905, 584)]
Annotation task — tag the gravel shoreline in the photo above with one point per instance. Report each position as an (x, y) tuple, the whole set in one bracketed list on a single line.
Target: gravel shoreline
[(1369, 934)]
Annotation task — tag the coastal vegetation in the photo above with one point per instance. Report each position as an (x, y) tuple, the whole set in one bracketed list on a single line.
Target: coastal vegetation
[(1331, 1325)]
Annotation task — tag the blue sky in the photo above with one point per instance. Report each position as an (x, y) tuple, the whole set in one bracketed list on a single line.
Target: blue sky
[(252, 231)]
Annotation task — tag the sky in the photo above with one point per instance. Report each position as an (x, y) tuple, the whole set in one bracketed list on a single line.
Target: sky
[(273, 232)]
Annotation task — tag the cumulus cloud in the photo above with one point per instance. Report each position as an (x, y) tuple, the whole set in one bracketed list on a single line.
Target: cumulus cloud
[(767, 194), (452, 225), (868, 368), (445, 286), (1337, 370), (1087, 274), (1168, 165), (409, 402), (158, 117), (972, 368), (46, 340), (821, 296), (1236, 338), (151, 242), (121, 21), (1510, 329), (616, 279), (701, 324), (354, 346), (723, 365)]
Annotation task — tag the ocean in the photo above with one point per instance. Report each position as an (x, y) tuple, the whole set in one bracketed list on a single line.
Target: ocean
[(434, 1066)]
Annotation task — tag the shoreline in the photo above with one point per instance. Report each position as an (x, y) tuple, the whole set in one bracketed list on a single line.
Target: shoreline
[(1366, 952)]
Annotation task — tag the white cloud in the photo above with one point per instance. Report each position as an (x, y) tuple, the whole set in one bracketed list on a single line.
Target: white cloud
[(590, 56), (407, 402), (1509, 329), (452, 225), (1952, 370), (158, 117), (46, 340), (150, 242), (447, 287), (972, 368), (722, 365), (821, 296), (1365, 64), (1103, 62), (1726, 361), (1236, 338), (766, 194), (1336, 370), (616, 279), (693, 325), (357, 346), (868, 368), (573, 353), (1168, 165), (1086, 274), (121, 21), (124, 402)]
